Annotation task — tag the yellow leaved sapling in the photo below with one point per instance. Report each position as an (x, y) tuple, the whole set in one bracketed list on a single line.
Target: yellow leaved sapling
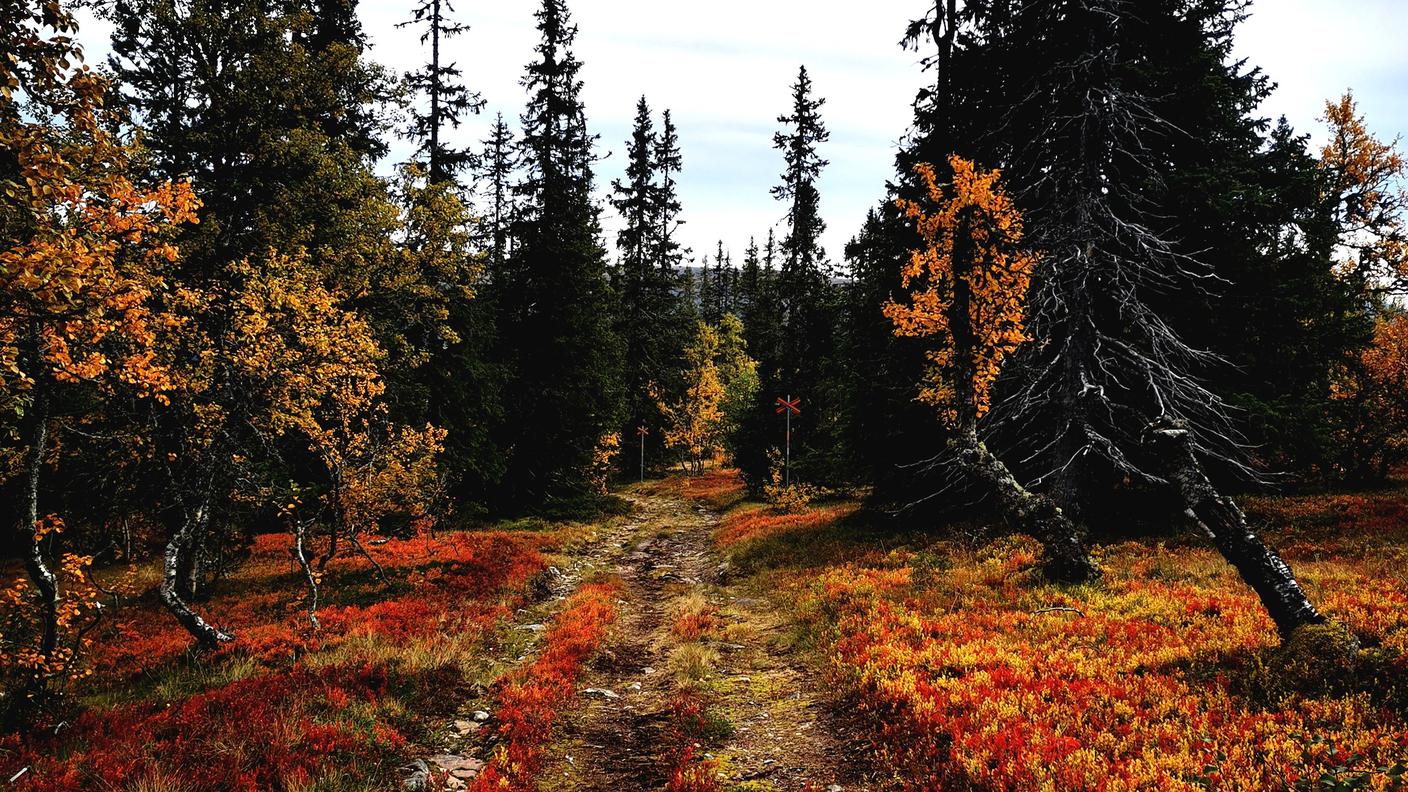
[(277, 393), (85, 246), (966, 292), (694, 421)]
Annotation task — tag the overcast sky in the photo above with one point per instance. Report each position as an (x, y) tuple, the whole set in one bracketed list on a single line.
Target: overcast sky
[(724, 68)]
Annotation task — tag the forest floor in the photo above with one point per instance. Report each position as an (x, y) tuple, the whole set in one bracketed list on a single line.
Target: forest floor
[(703, 642)]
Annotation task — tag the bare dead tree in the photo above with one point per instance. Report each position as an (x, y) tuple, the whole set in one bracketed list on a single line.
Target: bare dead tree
[(1082, 139), (1218, 517)]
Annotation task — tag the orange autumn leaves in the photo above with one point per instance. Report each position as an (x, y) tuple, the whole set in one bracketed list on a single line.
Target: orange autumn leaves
[(1368, 394), (1366, 178), (85, 249), (972, 254)]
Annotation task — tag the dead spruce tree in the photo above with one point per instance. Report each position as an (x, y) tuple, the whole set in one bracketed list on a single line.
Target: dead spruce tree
[(1080, 122), (967, 289)]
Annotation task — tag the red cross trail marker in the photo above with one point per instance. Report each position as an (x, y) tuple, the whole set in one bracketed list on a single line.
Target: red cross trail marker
[(786, 405), (641, 432)]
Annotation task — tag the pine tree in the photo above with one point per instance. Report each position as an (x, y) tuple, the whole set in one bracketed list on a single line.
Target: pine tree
[(555, 332), (442, 85)]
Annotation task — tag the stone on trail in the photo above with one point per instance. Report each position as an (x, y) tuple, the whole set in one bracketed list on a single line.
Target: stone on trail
[(603, 692), (462, 767)]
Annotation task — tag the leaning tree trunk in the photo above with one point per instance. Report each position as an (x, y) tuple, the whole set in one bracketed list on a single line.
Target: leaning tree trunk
[(38, 569), (1218, 517), (1067, 559), (174, 559)]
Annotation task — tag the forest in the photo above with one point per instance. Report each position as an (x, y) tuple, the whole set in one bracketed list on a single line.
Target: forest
[(1083, 465)]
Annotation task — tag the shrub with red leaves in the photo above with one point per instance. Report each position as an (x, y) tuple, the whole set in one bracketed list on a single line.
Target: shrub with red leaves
[(529, 699)]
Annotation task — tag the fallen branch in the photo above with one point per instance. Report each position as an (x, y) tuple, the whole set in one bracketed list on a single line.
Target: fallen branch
[(1059, 610)]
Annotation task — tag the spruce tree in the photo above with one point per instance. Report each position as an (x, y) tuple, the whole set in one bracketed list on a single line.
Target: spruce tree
[(272, 115), (669, 254), (650, 316), (443, 87), (1124, 130), (796, 364), (499, 163), (564, 395), (750, 277)]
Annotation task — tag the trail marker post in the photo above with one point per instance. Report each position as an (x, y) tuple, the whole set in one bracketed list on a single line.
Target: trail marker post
[(641, 432), (787, 406)]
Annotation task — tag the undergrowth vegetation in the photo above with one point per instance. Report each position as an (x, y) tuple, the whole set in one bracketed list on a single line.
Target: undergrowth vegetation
[(529, 699), (288, 707), (973, 671)]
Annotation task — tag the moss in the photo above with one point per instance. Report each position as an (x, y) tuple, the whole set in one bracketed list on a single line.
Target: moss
[(1319, 658)]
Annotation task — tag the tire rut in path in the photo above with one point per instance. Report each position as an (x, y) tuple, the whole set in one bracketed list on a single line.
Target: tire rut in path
[(785, 723)]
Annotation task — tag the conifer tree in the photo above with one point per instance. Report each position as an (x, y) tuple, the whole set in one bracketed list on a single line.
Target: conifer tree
[(499, 163), (555, 333), (750, 278), (803, 275), (1092, 109), (650, 316), (277, 164), (669, 161), (795, 362), (442, 85)]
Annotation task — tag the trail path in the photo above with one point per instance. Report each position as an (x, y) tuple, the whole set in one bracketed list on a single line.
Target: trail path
[(785, 726)]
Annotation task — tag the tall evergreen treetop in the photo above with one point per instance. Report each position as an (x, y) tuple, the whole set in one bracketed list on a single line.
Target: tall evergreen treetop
[(556, 144), (499, 166), (442, 84), (803, 257), (669, 254), (635, 198)]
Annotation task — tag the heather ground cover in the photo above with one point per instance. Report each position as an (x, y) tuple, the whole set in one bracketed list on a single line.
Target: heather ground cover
[(972, 671), (344, 706)]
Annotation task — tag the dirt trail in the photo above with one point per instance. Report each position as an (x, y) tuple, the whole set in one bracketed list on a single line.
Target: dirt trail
[(781, 726)]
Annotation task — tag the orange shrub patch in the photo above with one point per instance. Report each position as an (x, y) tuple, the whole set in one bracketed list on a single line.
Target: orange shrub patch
[(281, 722), (971, 675), (271, 732), (717, 487), (749, 524), (689, 772), (529, 699)]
